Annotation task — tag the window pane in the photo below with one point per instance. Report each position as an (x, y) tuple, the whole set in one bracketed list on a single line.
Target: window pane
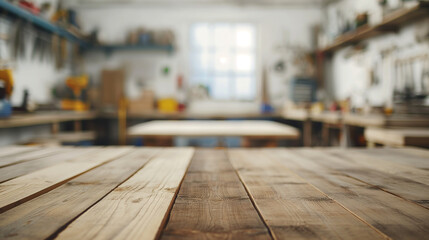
[(223, 36), (244, 63), (220, 88), (201, 35), (244, 36), (200, 63), (223, 61), (244, 88)]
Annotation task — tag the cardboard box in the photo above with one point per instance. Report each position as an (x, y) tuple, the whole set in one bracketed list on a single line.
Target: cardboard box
[(145, 103), (112, 88)]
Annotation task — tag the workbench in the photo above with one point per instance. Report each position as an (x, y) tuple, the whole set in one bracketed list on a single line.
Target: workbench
[(344, 121), (398, 137), (51, 117), (172, 193), (247, 129), (54, 120)]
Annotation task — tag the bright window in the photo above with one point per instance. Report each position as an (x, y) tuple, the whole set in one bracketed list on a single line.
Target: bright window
[(223, 59)]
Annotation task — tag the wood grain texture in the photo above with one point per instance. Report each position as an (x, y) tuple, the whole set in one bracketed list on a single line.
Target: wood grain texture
[(28, 156), (292, 208), (16, 170), (137, 209), (344, 162), (250, 128), (391, 215), (381, 162), (41, 217), (417, 158), (413, 151), (213, 204), (24, 188), (11, 150)]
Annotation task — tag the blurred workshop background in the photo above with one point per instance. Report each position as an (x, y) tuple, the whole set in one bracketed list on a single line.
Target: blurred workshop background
[(335, 72)]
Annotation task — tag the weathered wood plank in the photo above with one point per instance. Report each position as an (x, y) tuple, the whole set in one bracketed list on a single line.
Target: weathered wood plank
[(343, 162), (401, 156), (11, 150), (41, 217), (16, 170), (292, 208), (213, 204), (138, 208), (383, 163), (424, 153), (28, 156), (24, 188), (395, 217)]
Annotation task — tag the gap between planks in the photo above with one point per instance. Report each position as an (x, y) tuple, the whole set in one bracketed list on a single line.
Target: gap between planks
[(396, 217), (305, 212), (24, 188), (139, 206), (212, 203), (65, 203)]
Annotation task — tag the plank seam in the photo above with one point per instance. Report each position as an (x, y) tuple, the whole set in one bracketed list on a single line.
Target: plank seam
[(62, 228), (49, 154), (378, 187), (348, 210), (252, 200), (384, 190), (166, 219), (52, 187)]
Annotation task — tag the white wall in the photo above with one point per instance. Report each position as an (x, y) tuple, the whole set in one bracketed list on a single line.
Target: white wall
[(349, 74), (275, 26)]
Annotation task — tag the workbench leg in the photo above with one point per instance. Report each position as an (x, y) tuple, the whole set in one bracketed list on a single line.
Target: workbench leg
[(370, 144), (345, 138), (325, 135), (55, 128), (307, 133), (77, 126)]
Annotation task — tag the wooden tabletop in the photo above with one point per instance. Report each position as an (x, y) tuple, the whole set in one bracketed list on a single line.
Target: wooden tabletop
[(177, 193), (214, 128)]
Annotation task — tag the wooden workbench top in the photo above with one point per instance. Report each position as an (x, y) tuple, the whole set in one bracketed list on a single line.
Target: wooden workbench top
[(214, 128), (31, 119), (172, 193), (381, 120)]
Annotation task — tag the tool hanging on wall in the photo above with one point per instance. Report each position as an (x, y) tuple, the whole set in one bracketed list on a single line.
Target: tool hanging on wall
[(59, 48), (18, 40), (42, 46)]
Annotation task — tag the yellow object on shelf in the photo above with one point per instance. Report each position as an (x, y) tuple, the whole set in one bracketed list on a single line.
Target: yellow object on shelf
[(76, 84), (76, 105), (7, 77), (168, 105)]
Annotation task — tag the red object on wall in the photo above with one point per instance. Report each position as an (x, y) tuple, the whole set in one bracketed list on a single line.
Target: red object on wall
[(29, 6)]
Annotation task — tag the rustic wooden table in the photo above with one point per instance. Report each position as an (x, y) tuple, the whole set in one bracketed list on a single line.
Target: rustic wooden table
[(248, 129), (172, 193)]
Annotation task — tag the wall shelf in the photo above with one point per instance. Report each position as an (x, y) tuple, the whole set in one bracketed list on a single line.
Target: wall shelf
[(109, 49), (40, 22), (391, 23)]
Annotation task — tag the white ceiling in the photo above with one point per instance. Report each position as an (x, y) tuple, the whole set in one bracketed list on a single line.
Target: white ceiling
[(108, 3)]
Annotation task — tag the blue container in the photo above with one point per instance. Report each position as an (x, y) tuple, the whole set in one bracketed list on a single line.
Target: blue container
[(5, 108)]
